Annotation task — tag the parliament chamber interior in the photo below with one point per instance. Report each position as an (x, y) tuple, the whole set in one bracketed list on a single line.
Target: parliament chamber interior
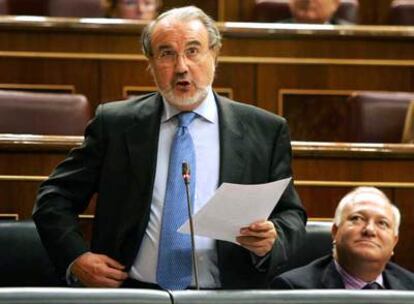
[(346, 91)]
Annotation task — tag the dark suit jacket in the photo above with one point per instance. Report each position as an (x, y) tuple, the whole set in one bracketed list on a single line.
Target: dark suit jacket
[(117, 161), (322, 274)]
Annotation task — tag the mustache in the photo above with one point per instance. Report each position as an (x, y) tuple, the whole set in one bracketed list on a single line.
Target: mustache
[(181, 78)]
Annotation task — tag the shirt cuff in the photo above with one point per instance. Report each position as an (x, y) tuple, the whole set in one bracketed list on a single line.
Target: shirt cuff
[(261, 263)]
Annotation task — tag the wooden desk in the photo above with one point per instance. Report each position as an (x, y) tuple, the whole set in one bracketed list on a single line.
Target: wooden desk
[(267, 65), (323, 173), (25, 161)]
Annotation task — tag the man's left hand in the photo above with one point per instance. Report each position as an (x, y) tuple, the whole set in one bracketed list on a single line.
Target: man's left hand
[(258, 237)]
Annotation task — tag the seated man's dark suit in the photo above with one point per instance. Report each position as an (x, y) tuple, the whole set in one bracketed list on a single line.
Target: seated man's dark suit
[(322, 274), (118, 161)]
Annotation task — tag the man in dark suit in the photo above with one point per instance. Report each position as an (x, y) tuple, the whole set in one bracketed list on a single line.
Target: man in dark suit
[(125, 160), (315, 11), (365, 232)]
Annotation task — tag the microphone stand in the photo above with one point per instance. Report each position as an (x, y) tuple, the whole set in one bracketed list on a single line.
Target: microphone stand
[(187, 178)]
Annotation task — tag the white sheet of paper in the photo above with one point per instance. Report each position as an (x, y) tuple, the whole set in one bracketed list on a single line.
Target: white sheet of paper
[(234, 206)]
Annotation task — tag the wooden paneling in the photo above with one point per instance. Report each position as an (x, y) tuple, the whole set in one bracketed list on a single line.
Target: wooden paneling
[(374, 11), (25, 161), (18, 197), (307, 110), (256, 65), (370, 11), (116, 75), (119, 75), (52, 75), (323, 173), (209, 7), (30, 87), (272, 78), (236, 10), (237, 77), (256, 62)]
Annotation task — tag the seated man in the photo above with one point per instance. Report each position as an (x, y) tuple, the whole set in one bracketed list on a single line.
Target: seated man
[(365, 232), (132, 9), (314, 11)]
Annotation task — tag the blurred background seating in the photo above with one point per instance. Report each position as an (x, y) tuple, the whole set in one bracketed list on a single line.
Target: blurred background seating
[(318, 232), (135, 9), (277, 10), (27, 7), (378, 117), (55, 8), (271, 10), (348, 10), (23, 259), (375, 12), (76, 8), (43, 113), (402, 12), (3, 7)]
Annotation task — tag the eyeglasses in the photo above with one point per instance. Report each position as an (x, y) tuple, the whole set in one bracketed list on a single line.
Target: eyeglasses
[(170, 56)]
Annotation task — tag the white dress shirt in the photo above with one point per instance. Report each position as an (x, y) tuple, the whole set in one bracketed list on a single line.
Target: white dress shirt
[(205, 134)]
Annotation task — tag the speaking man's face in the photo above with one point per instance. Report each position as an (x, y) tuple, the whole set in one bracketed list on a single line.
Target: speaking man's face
[(183, 64)]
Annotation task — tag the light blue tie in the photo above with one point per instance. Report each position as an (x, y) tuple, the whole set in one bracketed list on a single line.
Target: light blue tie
[(174, 270)]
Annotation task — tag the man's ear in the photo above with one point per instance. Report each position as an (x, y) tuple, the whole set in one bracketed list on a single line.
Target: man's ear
[(334, 230), (396, 240)]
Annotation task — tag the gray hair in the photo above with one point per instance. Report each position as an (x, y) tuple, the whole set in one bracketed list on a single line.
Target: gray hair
[(351, 198), (186, 13)]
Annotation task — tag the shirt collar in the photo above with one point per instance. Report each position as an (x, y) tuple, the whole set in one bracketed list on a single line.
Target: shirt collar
[(207, 109), (352, 282)]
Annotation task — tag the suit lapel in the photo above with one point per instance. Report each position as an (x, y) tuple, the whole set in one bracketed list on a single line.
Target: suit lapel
[(142, 140), (232, 155), (142, 143), (392, 281), (331, 279)]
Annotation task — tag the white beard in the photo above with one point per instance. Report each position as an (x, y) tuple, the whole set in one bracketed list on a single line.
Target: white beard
[(174, 100)]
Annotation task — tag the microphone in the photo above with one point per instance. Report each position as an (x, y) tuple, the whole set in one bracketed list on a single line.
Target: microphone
[(186, 173), (185, 168)]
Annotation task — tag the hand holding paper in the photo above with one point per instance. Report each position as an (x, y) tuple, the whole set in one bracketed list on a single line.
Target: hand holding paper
[(258, 237), (235, 206)]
